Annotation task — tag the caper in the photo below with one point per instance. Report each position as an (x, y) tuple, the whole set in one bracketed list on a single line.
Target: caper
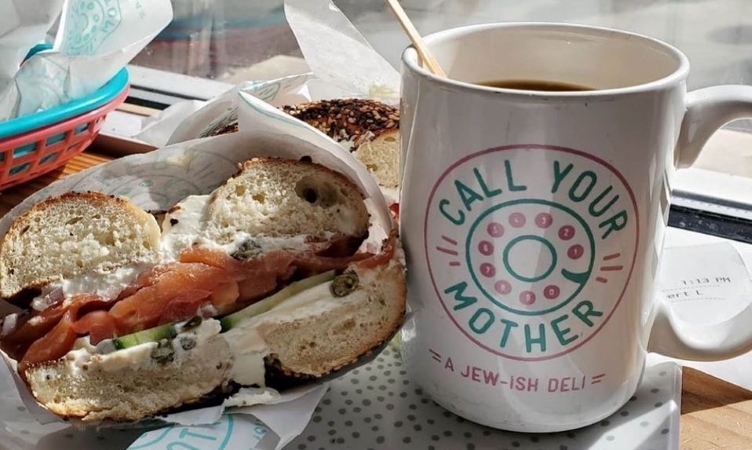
[(187, 343), (193, 323), (248, 249), (164, 353), (172, 333), (344, 284)]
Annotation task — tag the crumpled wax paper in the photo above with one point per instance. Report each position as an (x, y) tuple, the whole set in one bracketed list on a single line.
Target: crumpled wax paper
[(342, 63), (24, 24), (95, 40), (156, 181)]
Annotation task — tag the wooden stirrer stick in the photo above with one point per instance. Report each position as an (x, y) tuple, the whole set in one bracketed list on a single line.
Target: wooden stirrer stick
[(404, 21)]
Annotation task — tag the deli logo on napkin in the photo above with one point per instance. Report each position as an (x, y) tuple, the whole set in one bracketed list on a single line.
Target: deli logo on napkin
[(231, 432)]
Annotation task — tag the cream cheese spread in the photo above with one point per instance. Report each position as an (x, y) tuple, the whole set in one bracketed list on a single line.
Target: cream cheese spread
[(253, 396), (104, 284), (84, 354), (187, 225)]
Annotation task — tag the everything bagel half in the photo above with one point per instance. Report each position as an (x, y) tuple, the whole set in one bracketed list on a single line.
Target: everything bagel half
[(368, 129)]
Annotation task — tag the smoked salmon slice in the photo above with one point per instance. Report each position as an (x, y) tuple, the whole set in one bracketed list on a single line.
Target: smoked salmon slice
[(30, 329), (99, 325), (188, 284), (33, 328), (175, 292), (53, 345)]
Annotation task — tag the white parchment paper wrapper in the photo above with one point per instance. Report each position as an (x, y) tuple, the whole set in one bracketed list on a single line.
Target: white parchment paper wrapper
[(158, 180), (24, 23), (342, 63), (338, 54), (95, 40)]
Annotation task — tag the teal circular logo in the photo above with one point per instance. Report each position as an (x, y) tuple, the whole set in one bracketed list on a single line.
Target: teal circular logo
[(530, 256), (90, 24), (530, 249)]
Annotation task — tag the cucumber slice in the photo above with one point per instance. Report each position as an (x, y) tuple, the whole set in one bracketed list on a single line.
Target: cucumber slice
[(156, 334), (171, 330), (168, 331), (270, 302)]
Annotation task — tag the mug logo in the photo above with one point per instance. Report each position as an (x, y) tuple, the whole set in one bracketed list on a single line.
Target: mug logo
[(530, 248)]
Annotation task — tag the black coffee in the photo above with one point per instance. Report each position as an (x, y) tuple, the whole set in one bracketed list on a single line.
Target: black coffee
[(534, 85)]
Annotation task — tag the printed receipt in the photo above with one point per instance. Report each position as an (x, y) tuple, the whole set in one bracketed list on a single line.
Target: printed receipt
[(705, 284)]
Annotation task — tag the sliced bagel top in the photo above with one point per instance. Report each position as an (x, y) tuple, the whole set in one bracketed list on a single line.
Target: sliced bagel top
[(75, 234)]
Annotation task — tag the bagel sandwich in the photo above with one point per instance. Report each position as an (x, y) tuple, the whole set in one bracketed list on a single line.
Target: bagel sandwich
[(276, 278)]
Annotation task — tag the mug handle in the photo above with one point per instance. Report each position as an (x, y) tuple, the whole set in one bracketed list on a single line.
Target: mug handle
[(708, 110)]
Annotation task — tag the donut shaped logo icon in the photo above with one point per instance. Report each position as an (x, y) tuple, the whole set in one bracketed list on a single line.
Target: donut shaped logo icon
[(530, 248)]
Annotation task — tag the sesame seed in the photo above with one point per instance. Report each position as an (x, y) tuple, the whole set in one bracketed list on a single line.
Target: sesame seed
[(356, 120)]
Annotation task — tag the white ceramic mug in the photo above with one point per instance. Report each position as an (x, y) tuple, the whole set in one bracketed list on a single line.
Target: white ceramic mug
[(534, 221)]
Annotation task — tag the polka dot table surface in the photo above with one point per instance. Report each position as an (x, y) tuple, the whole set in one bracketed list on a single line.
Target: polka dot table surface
[(377, 406)]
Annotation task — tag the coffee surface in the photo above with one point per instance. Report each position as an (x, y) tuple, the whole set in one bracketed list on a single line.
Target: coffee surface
[(534, 85)]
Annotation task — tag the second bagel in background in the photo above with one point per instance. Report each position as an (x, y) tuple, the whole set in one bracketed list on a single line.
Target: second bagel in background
[(368, 129)]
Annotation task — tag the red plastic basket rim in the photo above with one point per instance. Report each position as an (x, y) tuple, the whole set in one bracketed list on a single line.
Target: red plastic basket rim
[(38, 134)]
